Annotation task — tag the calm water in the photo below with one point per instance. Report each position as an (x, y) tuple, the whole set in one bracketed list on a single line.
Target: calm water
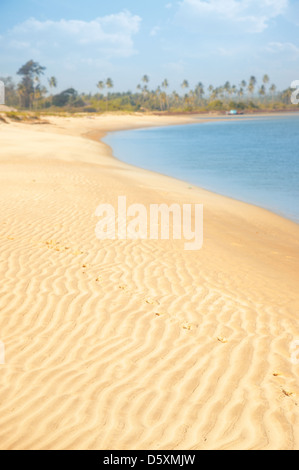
[(253, 160)]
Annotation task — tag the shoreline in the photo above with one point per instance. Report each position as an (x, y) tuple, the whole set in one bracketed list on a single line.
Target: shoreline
[(98, 136), (119, 345)]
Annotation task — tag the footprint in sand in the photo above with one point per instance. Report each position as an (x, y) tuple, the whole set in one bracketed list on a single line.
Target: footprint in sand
[(123, 287), (222, 340), (287, 393), (77, 253), (56, 246), (277, 374), (151, 301)]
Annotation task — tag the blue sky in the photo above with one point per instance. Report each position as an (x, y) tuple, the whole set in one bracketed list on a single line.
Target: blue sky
[(82, 42)]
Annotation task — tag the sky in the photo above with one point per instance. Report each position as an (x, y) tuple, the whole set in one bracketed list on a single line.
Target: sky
[(208, 41)]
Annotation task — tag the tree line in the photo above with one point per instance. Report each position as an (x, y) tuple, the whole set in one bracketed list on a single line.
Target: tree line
[(31, 94)]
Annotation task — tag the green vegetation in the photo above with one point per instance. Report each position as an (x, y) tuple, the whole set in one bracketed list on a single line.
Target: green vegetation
[(19, 116), (30, 94), (30, 88)]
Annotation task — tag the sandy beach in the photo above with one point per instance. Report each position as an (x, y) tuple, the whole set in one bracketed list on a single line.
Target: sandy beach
[(138, 344)]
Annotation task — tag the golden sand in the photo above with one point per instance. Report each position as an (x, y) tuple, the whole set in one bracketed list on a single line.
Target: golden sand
[(138, 344)]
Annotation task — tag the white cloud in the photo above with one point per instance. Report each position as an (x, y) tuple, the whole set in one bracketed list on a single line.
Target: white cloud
[(250, 15), (155, 31), (284, 47), (110, 36)]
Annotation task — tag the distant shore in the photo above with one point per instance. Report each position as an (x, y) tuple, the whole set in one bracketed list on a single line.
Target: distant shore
[(124, 344)]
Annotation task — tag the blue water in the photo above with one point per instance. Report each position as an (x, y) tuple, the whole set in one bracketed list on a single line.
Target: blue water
[(253, 160)]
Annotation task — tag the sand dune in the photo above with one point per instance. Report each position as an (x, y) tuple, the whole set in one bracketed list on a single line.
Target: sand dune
[(137, 344)]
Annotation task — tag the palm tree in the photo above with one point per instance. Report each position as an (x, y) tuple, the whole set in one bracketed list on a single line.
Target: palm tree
[(164, 100), (139, 97), (185, 84), (109, 85), (199, 91), (273, 90), (165, 85), (52, 84), (145, 79), (242, 87), (262, 91), (214, 94), (41, 93), (192, 98), (227, 88), (36, 86), (219, 91), (158, 98), (176, 98), (101, 85), (266, 80), (252, 84)]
